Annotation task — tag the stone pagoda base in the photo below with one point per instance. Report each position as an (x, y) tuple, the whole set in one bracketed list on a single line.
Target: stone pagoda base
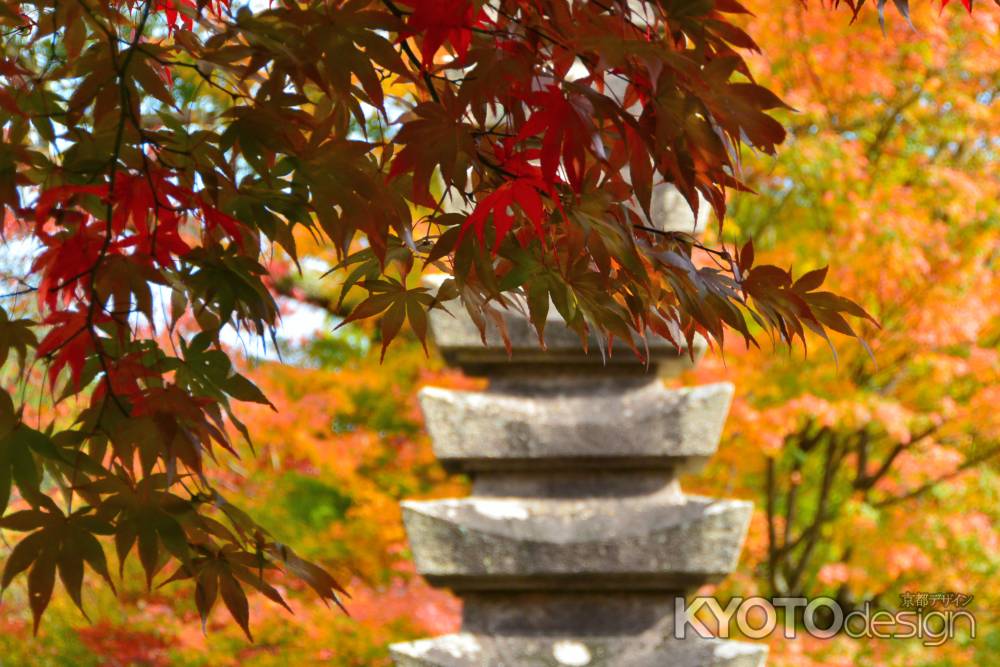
[(577, 538)]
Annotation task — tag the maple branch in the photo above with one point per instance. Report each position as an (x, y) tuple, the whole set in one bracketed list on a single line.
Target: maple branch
[(890, 120), (28, 289), (723, 254), (971, 462), (22, 292), (123, 117), (691, 240), (194, 66), (864, 482), (100, 26), (834, 456), (496, 167), (287, 289), (779, 558), (772, 547), (782, 574), (791, 498), (399, 13)]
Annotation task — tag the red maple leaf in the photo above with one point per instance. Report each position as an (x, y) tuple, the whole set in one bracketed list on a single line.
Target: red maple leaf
[(966, 3), (69, 342), (56, 198), (500, 203), (66, 262), (440, 21), (124, 375), (155, 207), (567, 132), (525, 190), (185, 10), (216, 218)]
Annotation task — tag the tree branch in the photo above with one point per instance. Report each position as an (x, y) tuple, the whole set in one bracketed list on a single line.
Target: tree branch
[(924, 488)]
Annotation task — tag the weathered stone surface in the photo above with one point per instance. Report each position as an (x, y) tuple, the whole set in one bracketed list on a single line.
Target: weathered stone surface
[(652, 542), (578, 614), (671, 212), (617, 424), (580, 483), (460, 344), (470, 650), (559, 629)]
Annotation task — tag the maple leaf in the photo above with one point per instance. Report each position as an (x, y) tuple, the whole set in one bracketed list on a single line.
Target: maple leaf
[(431, 139), (524, 189), (742, 106), (15, 335), (567, 132), (314, 576), (125, 376), (134, 199), (69, 342), (18, 448), (215, 218), (186, 424), (57, 542), (184, 10), (440, 21), (524, 193), (67, 261), (73, 255), (146, 515), (152, 206), (398, 303), (216, 574), (966, 3), (789, 305), (48, 200)]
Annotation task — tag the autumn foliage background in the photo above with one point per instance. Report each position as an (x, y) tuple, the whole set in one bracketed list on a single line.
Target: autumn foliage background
[(891, 176)]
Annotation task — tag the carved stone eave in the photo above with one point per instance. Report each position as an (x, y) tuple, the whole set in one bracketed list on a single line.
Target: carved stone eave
[(460, 343), (644, 543), (558, 427)]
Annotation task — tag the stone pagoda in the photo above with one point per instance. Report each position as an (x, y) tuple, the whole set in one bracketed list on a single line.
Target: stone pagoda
[(577, 538)]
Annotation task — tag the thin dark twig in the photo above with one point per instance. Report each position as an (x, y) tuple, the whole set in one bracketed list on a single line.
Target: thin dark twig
[(398, 13)]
